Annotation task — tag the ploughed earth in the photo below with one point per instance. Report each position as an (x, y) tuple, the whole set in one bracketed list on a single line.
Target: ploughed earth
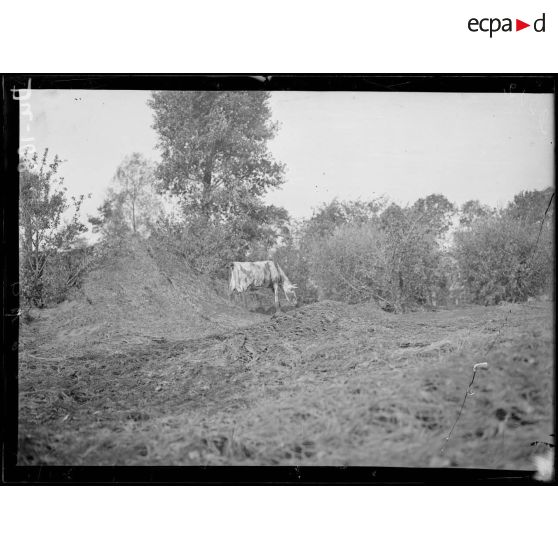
[(150, 365)]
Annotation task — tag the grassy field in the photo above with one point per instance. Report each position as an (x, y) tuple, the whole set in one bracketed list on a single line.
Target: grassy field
[(149, 365)]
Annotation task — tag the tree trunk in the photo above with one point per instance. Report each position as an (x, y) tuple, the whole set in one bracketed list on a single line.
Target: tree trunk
[(206, 193), (207, 180)]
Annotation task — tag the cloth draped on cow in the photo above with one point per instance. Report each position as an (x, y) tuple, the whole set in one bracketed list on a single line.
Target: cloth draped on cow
[(244, 276)]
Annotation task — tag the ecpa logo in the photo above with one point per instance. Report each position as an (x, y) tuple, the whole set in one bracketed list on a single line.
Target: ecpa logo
[(492, 25)]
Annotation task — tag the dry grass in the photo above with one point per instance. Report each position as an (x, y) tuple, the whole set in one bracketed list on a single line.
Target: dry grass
[(327, 384)]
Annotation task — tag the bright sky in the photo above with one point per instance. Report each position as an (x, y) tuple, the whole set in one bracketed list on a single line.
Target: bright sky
[(335, 144)]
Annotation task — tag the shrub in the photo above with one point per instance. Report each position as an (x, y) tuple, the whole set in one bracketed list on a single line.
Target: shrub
[(357, 252), (294, 261), (43, 233), (500, 260), (350, 265), (64, 272)]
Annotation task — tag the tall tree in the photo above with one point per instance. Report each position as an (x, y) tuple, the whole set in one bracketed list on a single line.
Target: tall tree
[(215, 160), (214, 149)]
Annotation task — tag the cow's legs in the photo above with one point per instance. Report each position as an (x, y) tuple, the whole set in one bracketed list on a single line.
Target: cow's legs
[(276, 294)]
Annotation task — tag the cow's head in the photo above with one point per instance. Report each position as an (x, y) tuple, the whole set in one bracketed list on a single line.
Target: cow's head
[(290, 293)]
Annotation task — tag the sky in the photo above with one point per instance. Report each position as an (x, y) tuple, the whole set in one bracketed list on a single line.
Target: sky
[(345, 145)]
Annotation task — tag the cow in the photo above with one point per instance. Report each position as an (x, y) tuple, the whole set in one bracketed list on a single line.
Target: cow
[(244, 276)]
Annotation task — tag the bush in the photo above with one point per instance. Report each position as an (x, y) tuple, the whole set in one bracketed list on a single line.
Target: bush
[(350, 265), (355, 253), (207, 247), (65, 271), (43, 233), (499, 259), (294, 261)]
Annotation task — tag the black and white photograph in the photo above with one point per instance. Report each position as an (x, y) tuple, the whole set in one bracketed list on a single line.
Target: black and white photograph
[(282, 275)]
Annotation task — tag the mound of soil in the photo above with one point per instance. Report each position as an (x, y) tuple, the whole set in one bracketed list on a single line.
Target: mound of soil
[(136, 292)]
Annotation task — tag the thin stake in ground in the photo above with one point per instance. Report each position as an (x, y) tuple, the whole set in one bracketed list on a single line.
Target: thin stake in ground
[(467, 393)]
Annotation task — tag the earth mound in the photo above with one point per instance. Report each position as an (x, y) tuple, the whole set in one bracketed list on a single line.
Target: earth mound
[(137, 292)]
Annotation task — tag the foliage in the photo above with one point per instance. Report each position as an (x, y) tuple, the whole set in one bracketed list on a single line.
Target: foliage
[(350, 265), (110, 220), (206, 247), (471, 211), (215, 161), (307, 244), (257, 228), (214, 152), (500, 260), (294, 259), (529, 207), (43, 233), (447, 287), (506, 255), (413, 253), (132, 205), (358, 251), (436, 212), (331, 215), (66, 270), (209, 246)]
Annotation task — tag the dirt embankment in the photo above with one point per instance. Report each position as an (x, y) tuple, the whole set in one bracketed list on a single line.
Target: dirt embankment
[(137, 292)]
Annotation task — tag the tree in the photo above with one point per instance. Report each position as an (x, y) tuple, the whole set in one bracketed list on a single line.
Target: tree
[(412, 244), (132, 204), (134, 193), (350, 264), (530, 206), (110, 221), (507, 255), (436, 212), (214, 159), (394, 220), (472, 210), (336, 213), (498, 260), (214, 148), (43, 233)]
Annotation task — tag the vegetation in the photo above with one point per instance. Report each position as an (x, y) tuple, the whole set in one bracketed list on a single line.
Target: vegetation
[(406, 257), (45, 274), (507, 255), (215, 162), (216, 169), (500, 261), (132, 205), (362, 251)]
